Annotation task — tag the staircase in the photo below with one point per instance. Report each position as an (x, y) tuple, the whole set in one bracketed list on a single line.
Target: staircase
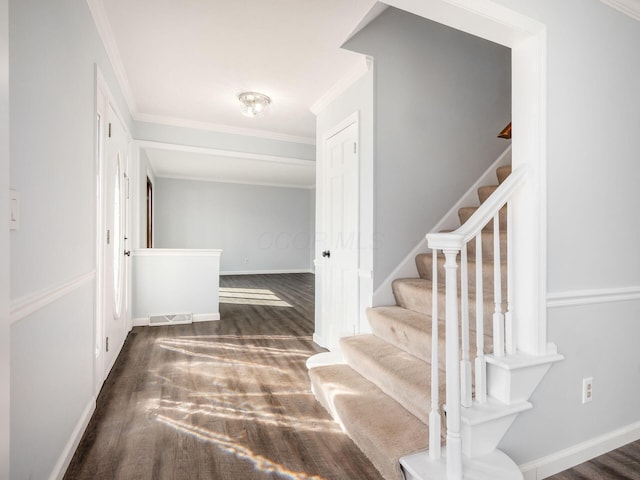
[(388, 389)]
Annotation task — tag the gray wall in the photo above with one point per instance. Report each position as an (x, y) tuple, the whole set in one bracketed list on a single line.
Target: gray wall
[(259, 228), (54, 47), (441, 97), (592, 194), (4, 241)]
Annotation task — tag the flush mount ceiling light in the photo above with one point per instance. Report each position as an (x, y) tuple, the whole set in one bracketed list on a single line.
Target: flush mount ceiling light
[(253, 103)]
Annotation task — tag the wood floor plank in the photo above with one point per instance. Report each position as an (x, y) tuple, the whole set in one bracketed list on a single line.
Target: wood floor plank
[(221, 400), (620, 464)]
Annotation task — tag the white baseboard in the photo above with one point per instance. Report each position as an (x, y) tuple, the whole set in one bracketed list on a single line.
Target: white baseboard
[(197, 317), (205, 317), (319, 340), (570, 457), (140, 322), (266, 272), (70, 448)]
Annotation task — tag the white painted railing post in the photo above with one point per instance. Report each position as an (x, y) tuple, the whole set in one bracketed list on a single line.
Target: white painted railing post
[(465, 363), (454, 438), (498, 316), (481, 362), (434, 416), (509, 325)]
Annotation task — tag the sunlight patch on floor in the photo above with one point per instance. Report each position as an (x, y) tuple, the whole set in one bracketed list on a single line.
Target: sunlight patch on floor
[(251, 296), (230, 445)]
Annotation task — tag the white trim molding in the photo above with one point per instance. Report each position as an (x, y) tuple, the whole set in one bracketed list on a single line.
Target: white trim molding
[(363, 65), (569, 457), (265, 272), (105, 31), (174, 252), (28, 304), (589, 297), (628, 7), (70, 448), (218, 128), (196, 317)]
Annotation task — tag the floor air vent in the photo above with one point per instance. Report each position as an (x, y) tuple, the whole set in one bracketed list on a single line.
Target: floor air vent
[(176, 319)]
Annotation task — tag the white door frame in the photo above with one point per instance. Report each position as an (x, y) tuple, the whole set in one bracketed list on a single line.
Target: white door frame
[(104, 100), (527, 39), (323, 323)]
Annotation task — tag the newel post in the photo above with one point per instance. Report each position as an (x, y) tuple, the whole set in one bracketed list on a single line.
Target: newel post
[(454, 439)]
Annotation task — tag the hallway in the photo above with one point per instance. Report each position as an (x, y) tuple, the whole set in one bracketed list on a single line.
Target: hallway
[(221, 400)]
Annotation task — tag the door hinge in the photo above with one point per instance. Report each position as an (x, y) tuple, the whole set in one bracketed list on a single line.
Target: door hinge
[(109, 129), (355, 147), (107, 346), (108, 237)]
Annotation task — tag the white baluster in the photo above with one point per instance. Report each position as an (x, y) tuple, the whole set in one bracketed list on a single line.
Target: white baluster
[(498, 316), (509, 325), (434, 416), (480, 363), (454, 439), (465, 363)]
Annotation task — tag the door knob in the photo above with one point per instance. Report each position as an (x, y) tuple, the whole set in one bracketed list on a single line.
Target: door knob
[(326, 253)]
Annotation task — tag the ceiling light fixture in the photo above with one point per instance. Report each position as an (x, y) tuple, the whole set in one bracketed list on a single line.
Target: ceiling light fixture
[(253, 103)]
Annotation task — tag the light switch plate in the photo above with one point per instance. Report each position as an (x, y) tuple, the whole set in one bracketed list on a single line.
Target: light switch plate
[(14, 219)]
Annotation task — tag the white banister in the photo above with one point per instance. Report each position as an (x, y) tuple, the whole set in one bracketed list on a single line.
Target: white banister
[(454, 437), (458, 365), (498, 317), (465, 363), (481, 362), (509, 326), (434, 416)]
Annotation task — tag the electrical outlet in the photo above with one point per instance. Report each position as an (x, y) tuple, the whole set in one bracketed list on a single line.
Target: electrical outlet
[(587, 389)]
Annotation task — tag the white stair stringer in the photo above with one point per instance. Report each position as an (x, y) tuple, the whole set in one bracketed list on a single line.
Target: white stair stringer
[(493, 466), (512, 379), (484, 425)]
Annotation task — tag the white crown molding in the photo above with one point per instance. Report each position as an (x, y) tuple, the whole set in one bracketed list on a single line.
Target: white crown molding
[(363, 65), (588, 297), (628, 7), (226, 153), (215, 127), (105, 31), (28, 304), (237, 182)]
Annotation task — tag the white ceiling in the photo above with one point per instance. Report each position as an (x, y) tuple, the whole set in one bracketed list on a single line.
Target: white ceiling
[(184, 62)]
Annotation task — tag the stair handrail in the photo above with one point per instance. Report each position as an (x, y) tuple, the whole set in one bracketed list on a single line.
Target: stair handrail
[(483, 215), (458, 374)]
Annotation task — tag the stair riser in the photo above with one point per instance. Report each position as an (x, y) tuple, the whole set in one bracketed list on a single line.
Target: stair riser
[(503, 172), (425, 269), (465, 213), (420, 300), (412, 395), (485, 192)]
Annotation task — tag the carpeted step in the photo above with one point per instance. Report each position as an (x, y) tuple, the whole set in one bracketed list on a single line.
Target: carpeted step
[(416, 294), (424, 262), (402, 376), (379, 425), (405, 329), (465, 213), (487, 246), (485, 192), (503, 172)]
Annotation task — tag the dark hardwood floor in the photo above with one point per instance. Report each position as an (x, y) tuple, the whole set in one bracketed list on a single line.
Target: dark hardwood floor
[(221, 400), (620, 464)]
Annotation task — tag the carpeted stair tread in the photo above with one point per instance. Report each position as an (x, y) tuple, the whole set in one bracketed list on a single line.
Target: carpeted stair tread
[(379, 425), (416, 294), (424, 263), (465, 213), (485, 192), (402, 376), (405, 329), (503, 172)]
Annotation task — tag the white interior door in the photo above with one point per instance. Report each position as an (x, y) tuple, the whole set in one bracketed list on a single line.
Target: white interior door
[(341, 251), (114, 238)]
